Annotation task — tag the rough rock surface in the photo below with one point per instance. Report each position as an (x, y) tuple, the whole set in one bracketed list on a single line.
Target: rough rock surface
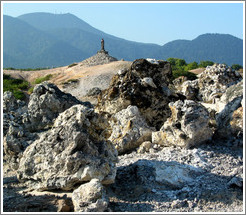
[(90, 197), (12, 110), (205, 179), (70, 153), (214, 81), (211, 83), (144, 85), (46, 102), (102, 57), (229, 102), (129, 129), (188, 125)]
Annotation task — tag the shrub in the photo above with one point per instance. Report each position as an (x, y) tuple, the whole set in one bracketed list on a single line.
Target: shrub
[(15, 86), (236, 67), (42, 79), (204, 64), (73, 64), (189, 75)]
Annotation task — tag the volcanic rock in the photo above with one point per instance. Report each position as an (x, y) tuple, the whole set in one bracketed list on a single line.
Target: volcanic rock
[(71, 153), (188, 125), (46, 102), (230, 115), (90, 197), (144, 85), (129, 129)]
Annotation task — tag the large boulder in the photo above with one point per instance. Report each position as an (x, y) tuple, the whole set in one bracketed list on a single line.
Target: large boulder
[(13, 110), (229, 115), (214, 81), (90, 197), (188, 126), (46, 102), (144, 85), (210, 85), (73, 152), (129, 129)]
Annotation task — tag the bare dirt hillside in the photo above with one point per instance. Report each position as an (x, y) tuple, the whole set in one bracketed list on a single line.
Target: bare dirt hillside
[(77, 79)]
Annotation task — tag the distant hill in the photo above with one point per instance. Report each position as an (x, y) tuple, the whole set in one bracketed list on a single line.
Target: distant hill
[(220, 48), (46, 40)]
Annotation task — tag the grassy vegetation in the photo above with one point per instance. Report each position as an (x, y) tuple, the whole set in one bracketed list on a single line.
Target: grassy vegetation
[(27, 69), (42, 79), (16, 86), (73, 64)]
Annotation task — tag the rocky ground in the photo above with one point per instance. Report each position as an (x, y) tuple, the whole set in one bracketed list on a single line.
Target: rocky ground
[(208, 180), (147, 144)]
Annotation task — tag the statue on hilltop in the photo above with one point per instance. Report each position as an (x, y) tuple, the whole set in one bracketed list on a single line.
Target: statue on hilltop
[(102, 47)]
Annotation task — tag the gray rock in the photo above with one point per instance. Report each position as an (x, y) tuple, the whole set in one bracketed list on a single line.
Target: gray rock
[(129, 129), (144, 85), (94, 91), (70, 153), (188, 125), (229, 117), (46, 102), (214, 81), (90, 197)]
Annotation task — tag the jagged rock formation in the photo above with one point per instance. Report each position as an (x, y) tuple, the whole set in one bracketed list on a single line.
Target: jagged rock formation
[(229, 116), (90, 197), (102, 57), (70, 153), (163, 165), (12, 110), (188, 125), (144, 85), (46, 102), (129, 129), (211, 83)]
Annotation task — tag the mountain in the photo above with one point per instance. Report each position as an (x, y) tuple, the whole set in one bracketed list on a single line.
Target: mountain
[(25, 46), (220, 48), (46, 40)]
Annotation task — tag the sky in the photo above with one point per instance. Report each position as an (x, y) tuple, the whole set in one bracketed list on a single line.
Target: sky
[(158, 23)]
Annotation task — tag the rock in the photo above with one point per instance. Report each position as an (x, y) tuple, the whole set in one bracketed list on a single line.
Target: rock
[(237, 122), (173, 175), (188, 125), (63, 205), (214, 81), (229, 115), (144, 85), (145, 147), (235, 182), (94, 91), (74, 151), (90, 197), (13, 110), (210, 85), (129, 129), (46, 102), (190, 90), (102, 57)]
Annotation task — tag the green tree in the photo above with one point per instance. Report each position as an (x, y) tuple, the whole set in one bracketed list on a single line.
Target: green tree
[(193, 65), (236, 67), (204, 64)]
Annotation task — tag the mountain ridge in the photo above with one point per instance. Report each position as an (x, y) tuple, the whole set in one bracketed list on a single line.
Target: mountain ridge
[(76, 40)]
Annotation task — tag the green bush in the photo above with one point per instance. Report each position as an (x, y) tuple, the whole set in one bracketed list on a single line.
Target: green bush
[(73, 64), (15, 86), (42, 79), (189, 75), (236, 67), (204, 64), (190, 66)]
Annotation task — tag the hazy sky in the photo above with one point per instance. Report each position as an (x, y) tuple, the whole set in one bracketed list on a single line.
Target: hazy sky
[(147, 22)]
